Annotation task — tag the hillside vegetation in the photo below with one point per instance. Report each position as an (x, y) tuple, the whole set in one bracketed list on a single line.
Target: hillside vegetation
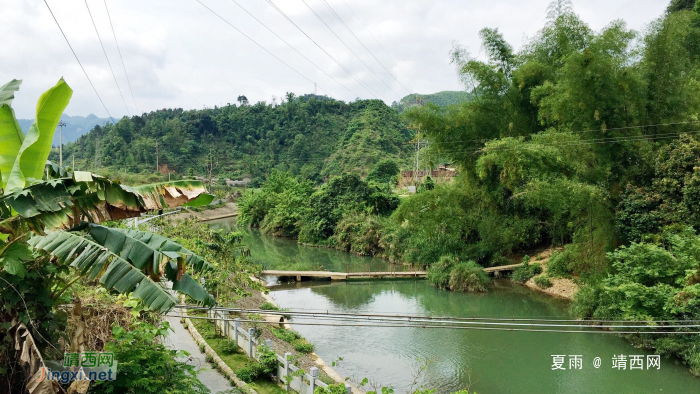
[(583, 141), (442, 99), (311, 136)]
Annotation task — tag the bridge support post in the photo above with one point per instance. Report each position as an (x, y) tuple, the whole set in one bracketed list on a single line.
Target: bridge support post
[(298, 278)]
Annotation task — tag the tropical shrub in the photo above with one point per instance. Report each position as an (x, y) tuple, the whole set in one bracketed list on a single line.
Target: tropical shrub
[(468, 277), (303, 347), (543, 281), (49, 236), (146, 365)]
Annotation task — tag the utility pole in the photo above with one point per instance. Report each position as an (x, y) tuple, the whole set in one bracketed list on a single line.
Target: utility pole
[(415, 173), (156, 154), (73, 167), (314, 88), (61, 124)]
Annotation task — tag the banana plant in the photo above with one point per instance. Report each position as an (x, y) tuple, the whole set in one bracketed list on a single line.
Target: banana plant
[(59, 216)]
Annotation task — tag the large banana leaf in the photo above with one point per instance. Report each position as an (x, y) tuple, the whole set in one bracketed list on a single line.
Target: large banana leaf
[(66, 202), (96, 261), (36, 146), (166, 245), (11, 135), (157, 256)]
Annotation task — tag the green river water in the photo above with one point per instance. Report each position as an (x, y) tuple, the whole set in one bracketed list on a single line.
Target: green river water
[(496, 362)]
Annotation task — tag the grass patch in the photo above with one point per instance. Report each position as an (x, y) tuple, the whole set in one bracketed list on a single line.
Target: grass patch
[(233, 356)]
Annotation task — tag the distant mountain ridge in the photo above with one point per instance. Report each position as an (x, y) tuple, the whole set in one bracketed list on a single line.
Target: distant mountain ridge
[(442, 99), (76, 126)]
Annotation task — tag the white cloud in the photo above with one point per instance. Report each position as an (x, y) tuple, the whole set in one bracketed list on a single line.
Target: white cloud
[(178, 54)]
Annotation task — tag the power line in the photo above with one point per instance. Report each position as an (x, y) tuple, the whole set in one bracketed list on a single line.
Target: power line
[(78, 60), (256, 43), (376, 320), (122, 59), (373, 93), (295, 50), (364, 46), (611, 140), (453, 327), (375, 39), (572, 132), (347, 46), (107, 57), (325, 313)]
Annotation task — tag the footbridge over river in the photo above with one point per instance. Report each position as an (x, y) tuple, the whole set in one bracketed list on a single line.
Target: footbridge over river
[(299, 275)]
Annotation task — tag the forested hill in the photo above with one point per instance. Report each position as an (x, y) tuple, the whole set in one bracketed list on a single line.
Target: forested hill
[(311, 136), (441, 99)]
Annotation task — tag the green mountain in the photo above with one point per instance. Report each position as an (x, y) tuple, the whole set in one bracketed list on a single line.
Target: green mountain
[(442, 99), (312, 136), (75, 126)]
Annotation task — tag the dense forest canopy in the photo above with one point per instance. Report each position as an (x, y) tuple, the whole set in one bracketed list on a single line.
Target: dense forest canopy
[(312, 136)]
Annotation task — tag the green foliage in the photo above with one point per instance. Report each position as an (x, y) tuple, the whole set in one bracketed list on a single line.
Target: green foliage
[(264, 368), (285, 335), (340, 195), (230, 258), (303, 347), (543, 281), (297, 135), (147, 366), (526, 271), (268, 306), (651, 281), (361, 233), (450, 273), (468, 277), (439, 273), (332, 389), (441, 99), (385, 171)]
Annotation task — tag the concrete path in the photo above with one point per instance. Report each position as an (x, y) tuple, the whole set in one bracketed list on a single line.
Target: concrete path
[(180, 339)]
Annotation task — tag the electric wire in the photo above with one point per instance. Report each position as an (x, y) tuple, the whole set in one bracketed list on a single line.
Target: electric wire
[(573, 132), (453, 327), (279, 10), (295, 50), (121, 58), (364, 46), (78, 60), (107, 57), (348, 47), (375, 39), (256, 43), (327, 314)]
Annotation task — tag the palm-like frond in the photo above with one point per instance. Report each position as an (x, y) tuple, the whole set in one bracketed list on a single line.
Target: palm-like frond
[(85, 197), (118, 270)]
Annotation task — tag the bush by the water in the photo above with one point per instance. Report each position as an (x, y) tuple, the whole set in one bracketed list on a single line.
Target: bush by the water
[(651, 281), (469, 277), (303, 347), (543, 281), (526, 270), (450, 273)]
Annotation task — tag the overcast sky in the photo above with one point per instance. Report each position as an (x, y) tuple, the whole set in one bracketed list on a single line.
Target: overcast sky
[(177, 53)]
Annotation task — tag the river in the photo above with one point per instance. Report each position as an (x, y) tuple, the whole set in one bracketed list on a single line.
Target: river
[(495, 362)]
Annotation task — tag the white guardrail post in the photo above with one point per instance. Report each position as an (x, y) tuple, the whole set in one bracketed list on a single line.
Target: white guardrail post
[(251, 332), (348, 388), (236, 327), (287, 361), (314, 375)]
